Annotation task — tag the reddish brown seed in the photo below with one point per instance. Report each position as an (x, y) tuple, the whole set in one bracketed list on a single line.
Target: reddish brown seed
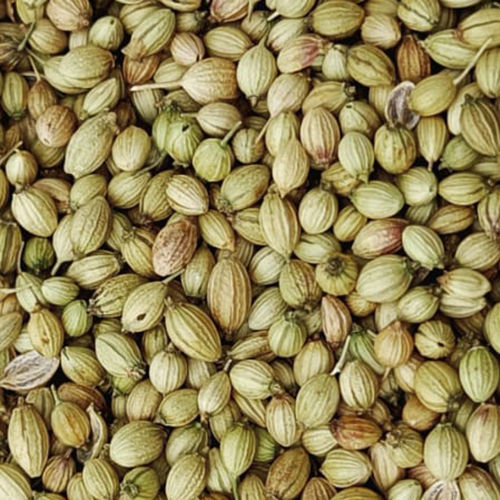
[(56, 126), (174, 246)]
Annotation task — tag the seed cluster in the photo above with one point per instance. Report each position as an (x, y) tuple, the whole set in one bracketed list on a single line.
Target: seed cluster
[(249, 250)]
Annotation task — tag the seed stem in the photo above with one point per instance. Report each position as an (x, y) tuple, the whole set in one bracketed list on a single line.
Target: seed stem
[(472, 63), (35, 69), (154, 86), (251, 6), (54, 394), (234, 484), (273, 16), (56, 267), (10, 291), (343, 357), (10, 151), (386, 373), (18, 264), (170, 278), (38, 59), (158, 162), (23, 43), (231, 133), (263, 131)]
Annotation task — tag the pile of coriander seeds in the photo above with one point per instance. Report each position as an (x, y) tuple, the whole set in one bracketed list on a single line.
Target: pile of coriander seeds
[(249, 250)]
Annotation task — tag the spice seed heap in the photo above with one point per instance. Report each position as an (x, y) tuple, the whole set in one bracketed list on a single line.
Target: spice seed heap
[(249, 250)]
